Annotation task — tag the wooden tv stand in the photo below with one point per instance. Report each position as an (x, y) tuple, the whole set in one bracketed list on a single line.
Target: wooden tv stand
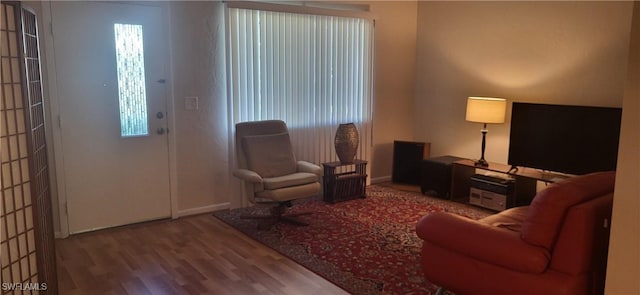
[(524, 187)]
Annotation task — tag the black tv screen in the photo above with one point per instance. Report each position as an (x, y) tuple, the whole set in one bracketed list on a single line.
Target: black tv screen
[(563, 138)]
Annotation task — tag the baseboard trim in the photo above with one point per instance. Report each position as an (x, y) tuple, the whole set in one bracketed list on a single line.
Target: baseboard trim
[(380, 179), (203, 209), (59, 235)]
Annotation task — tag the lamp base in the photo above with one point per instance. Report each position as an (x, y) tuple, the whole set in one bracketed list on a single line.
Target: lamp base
[(482, 162)]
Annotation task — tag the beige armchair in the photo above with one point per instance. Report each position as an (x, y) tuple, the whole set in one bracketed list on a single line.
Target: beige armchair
[(270, 172)]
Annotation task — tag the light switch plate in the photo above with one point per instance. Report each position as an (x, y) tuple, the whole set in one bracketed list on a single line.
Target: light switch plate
[(191, 103)]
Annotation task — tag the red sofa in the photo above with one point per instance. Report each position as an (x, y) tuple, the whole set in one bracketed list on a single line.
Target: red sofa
[(556, 245)]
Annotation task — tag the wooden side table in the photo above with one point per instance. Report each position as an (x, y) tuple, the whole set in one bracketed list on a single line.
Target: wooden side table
[(344, 182)]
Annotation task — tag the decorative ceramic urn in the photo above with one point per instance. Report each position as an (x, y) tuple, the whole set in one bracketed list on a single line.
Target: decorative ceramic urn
[(346, 142)]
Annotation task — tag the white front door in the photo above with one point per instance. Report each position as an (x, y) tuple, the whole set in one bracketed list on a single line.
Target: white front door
[(110, 66)]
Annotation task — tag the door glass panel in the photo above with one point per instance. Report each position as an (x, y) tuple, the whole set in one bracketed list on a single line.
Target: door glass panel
[(131, 80)]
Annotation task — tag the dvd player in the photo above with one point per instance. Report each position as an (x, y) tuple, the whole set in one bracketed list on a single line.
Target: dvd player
[(491, 192)]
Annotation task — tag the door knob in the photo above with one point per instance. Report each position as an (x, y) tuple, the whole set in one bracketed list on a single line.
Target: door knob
[(160, 131)]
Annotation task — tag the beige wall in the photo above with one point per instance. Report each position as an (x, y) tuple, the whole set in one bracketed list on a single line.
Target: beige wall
[(395, 65), (552, 52), (198, 69), (623, 269)]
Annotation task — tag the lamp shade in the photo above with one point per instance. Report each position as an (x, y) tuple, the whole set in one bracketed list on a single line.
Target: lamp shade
[(486, 109)]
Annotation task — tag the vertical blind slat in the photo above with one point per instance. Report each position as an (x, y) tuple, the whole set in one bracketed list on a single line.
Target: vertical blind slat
[(312, 71)]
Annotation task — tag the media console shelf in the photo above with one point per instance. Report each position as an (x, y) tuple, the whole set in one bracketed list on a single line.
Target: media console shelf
[(524, 187)]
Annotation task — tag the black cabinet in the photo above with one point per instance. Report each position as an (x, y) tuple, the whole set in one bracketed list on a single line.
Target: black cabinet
[(436, 176), (407, 156)]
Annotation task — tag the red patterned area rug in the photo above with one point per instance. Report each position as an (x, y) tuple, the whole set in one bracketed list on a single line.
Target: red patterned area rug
[(365, 246)]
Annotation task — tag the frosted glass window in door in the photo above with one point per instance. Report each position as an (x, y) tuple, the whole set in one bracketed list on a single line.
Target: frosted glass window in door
[(131, 80)]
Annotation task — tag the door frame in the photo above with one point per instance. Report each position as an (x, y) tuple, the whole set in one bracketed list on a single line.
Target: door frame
[(55, 121)]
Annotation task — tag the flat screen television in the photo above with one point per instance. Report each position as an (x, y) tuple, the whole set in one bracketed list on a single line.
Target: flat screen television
[(564, 138)]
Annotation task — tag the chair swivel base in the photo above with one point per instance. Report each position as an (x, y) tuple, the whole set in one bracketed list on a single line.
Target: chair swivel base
[(278, 215)]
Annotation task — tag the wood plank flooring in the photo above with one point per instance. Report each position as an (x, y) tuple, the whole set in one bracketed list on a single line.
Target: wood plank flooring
[(191, 255)]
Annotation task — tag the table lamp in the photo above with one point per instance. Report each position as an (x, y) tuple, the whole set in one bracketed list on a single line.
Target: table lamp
[(486, 110)]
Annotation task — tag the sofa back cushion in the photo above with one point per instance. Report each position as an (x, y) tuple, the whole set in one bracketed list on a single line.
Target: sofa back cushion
[(583, 241), (549, 207), (269, 155)]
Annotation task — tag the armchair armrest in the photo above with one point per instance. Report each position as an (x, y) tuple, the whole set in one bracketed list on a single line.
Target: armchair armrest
[(247, 175), (482, 242), (304, 166)]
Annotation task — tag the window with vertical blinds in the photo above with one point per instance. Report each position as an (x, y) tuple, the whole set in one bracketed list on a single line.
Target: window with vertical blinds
[(312, 71)]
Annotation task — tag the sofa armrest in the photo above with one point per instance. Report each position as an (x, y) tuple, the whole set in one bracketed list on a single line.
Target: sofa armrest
[(247, 175), (482, 242), (304, 166)]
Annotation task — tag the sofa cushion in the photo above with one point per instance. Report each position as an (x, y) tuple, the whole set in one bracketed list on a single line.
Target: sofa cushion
[(548, 208), (510, 219), (269, 155), (288, 180), (480, 242)]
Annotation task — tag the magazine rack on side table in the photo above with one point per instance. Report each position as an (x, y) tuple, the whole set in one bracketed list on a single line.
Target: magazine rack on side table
[(344, 182)]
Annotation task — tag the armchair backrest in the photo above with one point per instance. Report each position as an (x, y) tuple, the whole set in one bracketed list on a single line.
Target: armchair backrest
[(265, 147), (549, 208)]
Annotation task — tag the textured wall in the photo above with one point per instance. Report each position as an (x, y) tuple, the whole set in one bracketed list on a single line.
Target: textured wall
[(395, 66), (623, 269), (551, 52), (198, 69)]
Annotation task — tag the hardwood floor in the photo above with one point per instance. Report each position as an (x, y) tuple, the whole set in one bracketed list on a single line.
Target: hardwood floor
[(191, 255)]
